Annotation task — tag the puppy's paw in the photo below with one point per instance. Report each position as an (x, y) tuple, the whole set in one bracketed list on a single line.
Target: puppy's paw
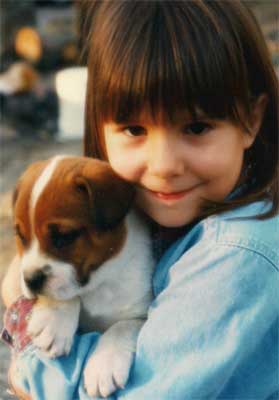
[(52, 328), (107, 370)]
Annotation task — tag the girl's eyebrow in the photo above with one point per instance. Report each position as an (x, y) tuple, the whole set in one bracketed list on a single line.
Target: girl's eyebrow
[(126, 121), (179, 118), (186, 115), (123, 120)]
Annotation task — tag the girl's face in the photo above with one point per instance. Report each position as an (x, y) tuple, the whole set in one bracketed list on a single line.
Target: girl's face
[(175, 166)]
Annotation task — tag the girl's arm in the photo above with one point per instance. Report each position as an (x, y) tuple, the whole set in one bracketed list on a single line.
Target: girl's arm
[(11, 289), (211, 333), (17, 391)]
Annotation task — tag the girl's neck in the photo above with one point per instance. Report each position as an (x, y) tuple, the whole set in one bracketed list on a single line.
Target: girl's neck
[(163, 237)]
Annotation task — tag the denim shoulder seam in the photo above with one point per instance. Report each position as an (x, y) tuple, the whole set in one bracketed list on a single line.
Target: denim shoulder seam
[(240, 244), (249, 242)]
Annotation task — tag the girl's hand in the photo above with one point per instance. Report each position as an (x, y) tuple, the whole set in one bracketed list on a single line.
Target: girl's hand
[(12, 383)]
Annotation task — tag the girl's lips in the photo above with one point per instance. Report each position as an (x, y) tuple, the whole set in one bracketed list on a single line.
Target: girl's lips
[(170, 196)]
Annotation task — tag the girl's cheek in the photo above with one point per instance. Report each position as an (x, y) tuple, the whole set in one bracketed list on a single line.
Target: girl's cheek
[(125, 166)]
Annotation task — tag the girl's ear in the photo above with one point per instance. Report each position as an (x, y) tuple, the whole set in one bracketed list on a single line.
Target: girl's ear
[(257, 114), (256, 119)]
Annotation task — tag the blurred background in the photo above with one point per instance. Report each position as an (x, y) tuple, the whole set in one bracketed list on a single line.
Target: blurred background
[(42, 89)]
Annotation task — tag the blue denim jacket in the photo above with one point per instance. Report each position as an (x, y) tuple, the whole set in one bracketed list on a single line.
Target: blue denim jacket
[(212, 329)]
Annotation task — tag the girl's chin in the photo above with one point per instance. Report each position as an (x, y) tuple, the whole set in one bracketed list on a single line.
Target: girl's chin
[(170, 220), (169, 212)]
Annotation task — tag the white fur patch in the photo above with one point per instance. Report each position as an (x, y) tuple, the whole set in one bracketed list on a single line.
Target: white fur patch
[(33, 259), (61, 283), (43, 180), (121, 288)]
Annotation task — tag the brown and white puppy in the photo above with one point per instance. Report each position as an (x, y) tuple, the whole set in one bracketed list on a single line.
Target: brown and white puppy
[(87, 259)]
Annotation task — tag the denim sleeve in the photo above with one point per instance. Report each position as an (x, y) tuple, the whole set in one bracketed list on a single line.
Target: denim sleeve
[(60, 378), (212, 332)]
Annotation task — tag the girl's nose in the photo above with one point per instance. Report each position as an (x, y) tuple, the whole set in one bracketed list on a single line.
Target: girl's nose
[(165, 157)]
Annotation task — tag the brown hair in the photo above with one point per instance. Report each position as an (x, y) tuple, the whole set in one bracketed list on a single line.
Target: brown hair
[(183, 55)]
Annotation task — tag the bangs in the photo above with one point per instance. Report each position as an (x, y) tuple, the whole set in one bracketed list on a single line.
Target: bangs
[(161, 59), (147, 67)]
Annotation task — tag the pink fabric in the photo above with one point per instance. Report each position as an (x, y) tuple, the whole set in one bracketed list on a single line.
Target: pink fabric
[(16, 319)]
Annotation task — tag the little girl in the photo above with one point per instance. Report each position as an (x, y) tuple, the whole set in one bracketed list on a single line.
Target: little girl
[(182, 101)]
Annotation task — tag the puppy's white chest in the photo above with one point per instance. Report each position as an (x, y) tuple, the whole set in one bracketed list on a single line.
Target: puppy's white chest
[(122, 288)]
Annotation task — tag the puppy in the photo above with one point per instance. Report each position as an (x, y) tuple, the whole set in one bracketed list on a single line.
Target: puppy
[(86, 258)]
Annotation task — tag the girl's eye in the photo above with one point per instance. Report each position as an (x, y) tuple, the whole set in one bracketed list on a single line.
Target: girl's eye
[(134, 130), (197, 128)]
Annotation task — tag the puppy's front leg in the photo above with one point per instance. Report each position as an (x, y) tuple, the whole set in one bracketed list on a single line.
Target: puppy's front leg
[(53, 324), (108, 368), (11, 289)]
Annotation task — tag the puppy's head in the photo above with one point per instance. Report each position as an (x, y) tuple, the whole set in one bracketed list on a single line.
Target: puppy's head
[(69, 218)]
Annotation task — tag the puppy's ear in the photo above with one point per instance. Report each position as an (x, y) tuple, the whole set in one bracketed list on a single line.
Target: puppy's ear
[(109, 196), (15, 194)]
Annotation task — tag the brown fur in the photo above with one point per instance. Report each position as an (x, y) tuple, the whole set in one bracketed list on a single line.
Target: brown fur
[(82, 194), (21, 200)]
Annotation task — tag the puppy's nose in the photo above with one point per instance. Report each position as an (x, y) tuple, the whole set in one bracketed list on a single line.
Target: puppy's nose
[(36, 280)]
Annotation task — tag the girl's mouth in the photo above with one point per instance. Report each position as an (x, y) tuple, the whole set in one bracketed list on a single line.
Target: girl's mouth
[(170, 196)]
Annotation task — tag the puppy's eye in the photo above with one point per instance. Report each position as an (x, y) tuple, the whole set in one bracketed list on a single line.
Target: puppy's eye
[(20, 235), (64, 239)]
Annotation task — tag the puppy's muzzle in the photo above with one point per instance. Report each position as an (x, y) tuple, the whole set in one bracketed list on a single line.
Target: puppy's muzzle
[(36, 280)]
